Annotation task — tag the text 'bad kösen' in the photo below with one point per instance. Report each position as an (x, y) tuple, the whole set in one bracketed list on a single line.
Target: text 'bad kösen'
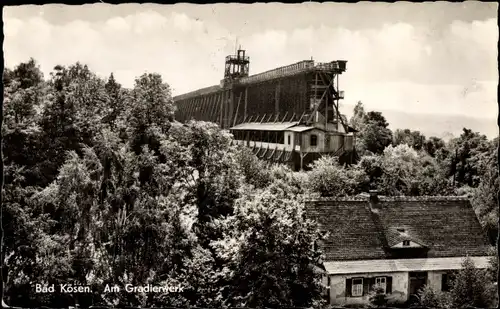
[(129, 288)]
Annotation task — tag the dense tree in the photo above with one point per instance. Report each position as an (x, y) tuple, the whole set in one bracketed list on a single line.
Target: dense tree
[(103, 186), (433, 146), (374, 134), (485, 196), (402, 170), (467, 154), (151, 108), (116, 104), (268, 246), (411, 138), (472, 287), (357, 120), (329, 179)]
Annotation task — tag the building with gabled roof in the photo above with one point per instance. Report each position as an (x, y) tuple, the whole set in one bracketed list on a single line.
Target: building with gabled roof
[(399, 243)]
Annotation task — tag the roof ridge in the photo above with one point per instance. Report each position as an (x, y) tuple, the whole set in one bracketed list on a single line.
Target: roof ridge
[(384, 198)]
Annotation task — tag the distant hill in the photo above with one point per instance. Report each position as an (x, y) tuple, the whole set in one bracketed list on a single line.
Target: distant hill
[(443, 126)]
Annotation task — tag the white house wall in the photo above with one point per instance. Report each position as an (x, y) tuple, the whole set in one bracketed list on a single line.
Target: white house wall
[(400, 287), (434, 279), (291, 146)]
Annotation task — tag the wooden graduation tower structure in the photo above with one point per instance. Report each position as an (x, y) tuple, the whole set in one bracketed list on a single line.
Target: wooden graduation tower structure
[(289, 114)]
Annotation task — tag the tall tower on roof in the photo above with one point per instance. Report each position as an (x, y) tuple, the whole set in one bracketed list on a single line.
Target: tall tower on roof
[(237, 65)]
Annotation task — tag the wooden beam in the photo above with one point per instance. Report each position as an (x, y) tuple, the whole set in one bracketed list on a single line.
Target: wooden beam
[(204, 108), (246, 101), (197, 110), (318, 105), (237, 107), (214, 108), (283, 120), (315, 88), (193, 111), (200, 103), (277, 98), (210, 107), (221, 106), (190, 110), (262, 118), (230, 109), (300, 119)]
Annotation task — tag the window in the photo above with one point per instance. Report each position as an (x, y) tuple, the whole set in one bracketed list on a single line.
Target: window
[(381, 282), (281, 137), (314, 140), (406, 243), (357, 287), (289, 139)]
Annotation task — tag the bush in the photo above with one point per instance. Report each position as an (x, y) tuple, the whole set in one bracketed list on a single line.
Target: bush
[(430, 298), (377, 297)]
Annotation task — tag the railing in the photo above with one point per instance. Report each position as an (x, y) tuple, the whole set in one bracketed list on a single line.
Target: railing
[(279, 72), (295, 68), (339, 65), (327, 66), (235, 57)]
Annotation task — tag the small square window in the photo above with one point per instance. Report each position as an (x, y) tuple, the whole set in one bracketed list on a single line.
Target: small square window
[(357, 287), (406, 243)]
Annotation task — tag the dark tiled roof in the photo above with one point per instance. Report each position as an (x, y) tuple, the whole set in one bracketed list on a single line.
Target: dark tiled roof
[(447, 226), (352, 233)]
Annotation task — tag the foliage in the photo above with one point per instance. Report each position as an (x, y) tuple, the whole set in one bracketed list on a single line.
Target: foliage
[(429, 298), (374, 134), (328, 178), (472, 287), (402, 170), (414, 139), (493, 264), (268, 246), (468, 154), (377, 297), (433, 146), (102, 185), (254, 170)]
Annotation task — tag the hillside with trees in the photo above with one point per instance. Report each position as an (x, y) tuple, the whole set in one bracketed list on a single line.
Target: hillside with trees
[(103, 186)]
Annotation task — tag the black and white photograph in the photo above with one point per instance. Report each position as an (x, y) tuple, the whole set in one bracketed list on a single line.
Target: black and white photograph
[(250, 156)]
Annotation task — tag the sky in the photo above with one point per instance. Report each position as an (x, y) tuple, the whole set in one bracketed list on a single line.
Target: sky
[(434, 57)]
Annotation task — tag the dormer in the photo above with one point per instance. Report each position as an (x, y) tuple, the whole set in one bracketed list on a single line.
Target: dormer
[(407, 244), (403, 242)]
